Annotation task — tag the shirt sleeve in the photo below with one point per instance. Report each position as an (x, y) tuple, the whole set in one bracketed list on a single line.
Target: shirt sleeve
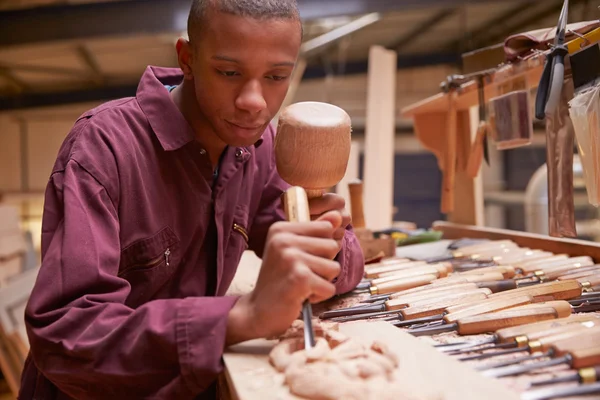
[(83, 337), (351, 257)]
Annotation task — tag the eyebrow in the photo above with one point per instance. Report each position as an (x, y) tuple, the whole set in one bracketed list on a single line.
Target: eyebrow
[(233, 60)]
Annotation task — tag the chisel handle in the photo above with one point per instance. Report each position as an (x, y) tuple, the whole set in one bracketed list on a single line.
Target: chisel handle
[(402, 284), (438, 306), (295, 204), (585, 358), (566, 342), (573, 262), (532, 265), (488, 276), (432, 294), (486, 306), (355, 189), (552, 275), (507, 271), (492, 244), (499, 286), (503, 319), (577, 275), (551, 290), (431, 291), (507, 334), (589, 282), (375, 272), (396, 304), (439, 270)]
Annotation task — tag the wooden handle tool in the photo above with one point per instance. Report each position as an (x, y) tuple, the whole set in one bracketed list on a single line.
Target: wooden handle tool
[(522, 341), (507, 336), (437, 306), (584, 376), (438, 270), (552, 275), (355, 190), (589, 282), (507, 271), (484, 307), (574, 262), (402, 284), (371, 272), (296, 208), (550, 290), (502, 319), (577, 358), (570, 334)]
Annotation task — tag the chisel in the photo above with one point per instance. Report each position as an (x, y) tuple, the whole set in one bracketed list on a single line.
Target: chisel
[(385, 274), (541, 292), (470, 251), (295, 202), (582, 352), (549, 394), (453, 313), (393, 306), (575, 262), (537, 343), (493, 321), (507, 335), (427, 282), (584, 376), (521, 341)]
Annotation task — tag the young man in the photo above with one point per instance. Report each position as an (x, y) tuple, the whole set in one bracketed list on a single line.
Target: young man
[(151, 203)]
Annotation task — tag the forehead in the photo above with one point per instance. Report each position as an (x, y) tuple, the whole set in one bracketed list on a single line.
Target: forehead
[(222, 32)]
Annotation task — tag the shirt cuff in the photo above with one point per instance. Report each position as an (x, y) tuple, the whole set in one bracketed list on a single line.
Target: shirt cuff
[(201, 329), (352, 264)]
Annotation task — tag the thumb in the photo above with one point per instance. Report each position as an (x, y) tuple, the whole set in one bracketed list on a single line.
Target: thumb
[(333, 217)]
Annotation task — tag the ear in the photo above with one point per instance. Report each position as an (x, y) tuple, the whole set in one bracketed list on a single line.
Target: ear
[(184, 57)]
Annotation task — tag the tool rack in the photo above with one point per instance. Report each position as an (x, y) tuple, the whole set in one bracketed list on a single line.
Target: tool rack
[(444, 125)]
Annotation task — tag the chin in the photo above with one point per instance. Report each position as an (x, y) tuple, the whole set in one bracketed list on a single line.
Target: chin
[(234, 136)]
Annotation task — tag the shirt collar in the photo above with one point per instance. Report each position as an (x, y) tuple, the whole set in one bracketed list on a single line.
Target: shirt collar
[(168, 123)]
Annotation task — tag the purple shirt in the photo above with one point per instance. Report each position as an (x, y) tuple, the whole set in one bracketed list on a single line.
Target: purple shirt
[(139, 245)]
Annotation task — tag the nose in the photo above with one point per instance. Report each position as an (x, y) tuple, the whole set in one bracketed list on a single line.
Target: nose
[(251, 98)]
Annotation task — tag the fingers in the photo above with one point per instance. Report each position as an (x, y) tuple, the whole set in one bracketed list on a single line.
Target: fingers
[(334, 217), (321, 290), (320, 229), (327, 202), (320, 247), (324, 268)]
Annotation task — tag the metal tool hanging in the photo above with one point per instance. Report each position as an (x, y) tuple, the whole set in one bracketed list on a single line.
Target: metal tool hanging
[(551, 83)]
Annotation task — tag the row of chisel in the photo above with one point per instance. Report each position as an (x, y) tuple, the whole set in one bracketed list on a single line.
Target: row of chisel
[(573, 341), (494, 287)]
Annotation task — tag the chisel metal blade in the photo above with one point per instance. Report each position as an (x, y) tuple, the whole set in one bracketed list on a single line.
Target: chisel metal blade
[(521, 369), (513, 361), (554, 393)]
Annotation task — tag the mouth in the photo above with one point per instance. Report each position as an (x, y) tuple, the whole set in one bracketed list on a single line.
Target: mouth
[(247, 127)]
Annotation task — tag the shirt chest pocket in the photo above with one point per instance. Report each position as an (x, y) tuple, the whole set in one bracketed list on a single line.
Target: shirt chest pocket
[(148, 264)]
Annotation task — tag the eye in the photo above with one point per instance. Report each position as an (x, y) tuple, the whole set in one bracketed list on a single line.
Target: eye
[(277, 77), (228, 73)]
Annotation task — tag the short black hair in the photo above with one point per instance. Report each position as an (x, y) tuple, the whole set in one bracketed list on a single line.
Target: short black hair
[(258, 9)]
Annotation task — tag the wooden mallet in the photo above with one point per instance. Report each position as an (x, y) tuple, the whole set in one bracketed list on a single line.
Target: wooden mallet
[(312, 147)]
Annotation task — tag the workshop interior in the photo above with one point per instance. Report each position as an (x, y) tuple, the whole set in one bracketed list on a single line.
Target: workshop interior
[(470, 167)]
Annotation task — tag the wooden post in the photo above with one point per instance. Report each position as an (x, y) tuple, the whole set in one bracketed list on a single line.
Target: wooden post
[(379, 138), (351, 172)]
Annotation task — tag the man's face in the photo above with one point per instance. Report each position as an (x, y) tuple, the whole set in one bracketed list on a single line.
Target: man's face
[(242, 69)]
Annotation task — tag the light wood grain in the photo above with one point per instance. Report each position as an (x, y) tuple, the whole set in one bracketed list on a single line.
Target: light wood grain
[(422, 370)]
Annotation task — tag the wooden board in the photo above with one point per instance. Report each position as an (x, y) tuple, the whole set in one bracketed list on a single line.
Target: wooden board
[(572, 247), (423, 370)]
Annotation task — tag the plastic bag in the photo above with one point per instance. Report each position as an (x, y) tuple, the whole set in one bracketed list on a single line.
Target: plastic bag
[(584, 110)]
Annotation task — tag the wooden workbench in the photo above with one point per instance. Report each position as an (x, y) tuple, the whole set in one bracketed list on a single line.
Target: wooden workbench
[(249, 376)]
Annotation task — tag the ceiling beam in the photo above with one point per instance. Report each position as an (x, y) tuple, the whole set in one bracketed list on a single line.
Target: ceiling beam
[(102, 19), (90, 61), (422, 28), (473, 40), (525, 24), (93, 93)]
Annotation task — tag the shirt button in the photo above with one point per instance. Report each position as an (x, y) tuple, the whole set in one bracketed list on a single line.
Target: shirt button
[(239, 153), (202, 152)]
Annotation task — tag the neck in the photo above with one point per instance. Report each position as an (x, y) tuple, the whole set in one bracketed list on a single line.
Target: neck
[(184, 97)]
